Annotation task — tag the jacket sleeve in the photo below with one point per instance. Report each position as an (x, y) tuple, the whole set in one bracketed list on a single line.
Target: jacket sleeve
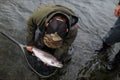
[(31, 29), (66, 44), (119, 2)]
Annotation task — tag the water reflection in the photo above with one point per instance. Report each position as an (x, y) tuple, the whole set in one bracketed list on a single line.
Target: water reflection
[(95, 69)]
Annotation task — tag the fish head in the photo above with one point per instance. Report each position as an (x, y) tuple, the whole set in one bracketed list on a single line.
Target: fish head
[(57, 64)]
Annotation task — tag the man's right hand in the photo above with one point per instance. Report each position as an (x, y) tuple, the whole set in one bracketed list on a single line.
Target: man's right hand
[(117, 11), (29, 48)]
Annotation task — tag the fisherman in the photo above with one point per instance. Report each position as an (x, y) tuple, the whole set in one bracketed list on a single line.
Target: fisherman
[(110, 39), (57, 30)]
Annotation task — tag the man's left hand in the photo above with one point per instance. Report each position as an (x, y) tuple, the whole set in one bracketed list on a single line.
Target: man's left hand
[(29, 48)]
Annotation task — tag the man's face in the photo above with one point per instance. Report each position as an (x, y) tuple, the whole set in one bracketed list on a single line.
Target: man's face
[(55, 25), (55, 32)]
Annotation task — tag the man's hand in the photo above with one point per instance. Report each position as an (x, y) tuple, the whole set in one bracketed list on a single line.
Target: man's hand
[(29, 48), (117, 11)]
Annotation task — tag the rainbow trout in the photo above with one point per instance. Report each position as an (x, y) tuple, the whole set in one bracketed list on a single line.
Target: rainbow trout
[(46, 58)]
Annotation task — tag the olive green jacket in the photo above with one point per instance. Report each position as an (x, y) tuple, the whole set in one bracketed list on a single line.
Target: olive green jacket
[(42, 15)]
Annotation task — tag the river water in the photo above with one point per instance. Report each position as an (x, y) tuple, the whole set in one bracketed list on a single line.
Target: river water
[(95, 20)]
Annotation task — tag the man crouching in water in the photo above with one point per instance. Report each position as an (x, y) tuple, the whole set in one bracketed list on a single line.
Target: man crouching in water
[(57, 26)]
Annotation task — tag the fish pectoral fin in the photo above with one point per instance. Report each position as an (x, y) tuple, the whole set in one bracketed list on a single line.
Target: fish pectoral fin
[(46, 64), (38, 59), (33, 54)]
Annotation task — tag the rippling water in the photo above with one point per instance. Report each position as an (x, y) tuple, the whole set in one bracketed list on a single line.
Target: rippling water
[(95, 19)]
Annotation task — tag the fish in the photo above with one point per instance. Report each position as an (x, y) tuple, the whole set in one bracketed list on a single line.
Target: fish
[(43, 56), (47, 58)]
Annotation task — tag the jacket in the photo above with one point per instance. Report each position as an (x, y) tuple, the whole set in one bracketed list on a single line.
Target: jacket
[(42, 15)]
